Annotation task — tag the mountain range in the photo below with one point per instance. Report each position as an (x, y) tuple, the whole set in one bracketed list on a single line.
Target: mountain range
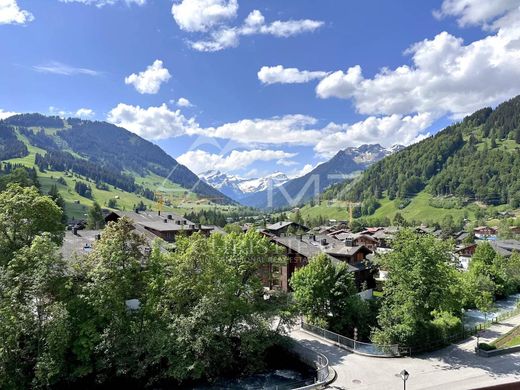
[(237, 187), (347, 163)]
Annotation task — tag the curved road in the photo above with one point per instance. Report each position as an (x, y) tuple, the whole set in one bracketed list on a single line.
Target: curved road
[(451, 368)]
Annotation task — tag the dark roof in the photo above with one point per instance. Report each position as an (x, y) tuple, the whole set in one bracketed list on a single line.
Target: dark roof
[(79, 244), (464, 247), (166, 222), (149, 217), (305, 248), (283, 224), (505, 247), (343, 250)]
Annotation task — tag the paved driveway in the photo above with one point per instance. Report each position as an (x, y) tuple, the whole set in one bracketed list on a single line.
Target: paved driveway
[(452, 368)]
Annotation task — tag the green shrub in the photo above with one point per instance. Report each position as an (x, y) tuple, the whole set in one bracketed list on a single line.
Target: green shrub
[(487, 347), (445, 325)]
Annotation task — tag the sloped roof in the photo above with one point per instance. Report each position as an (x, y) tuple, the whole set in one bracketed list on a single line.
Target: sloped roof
[(344, 250), (283, 224)]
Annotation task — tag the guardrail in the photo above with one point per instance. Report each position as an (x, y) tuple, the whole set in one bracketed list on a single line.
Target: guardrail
[(324, 373), (361, 348)]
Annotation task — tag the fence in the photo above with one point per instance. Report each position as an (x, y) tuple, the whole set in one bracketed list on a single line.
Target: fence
[(395, 350), (324, 373), (355, 346), (467, 332)]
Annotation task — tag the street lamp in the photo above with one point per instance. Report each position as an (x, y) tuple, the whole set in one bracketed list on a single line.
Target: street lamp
[(404, 375)]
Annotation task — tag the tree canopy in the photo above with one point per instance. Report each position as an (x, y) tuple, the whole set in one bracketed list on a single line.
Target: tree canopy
[(25, 214)]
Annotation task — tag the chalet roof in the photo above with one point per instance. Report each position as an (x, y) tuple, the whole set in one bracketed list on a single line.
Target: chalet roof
[(342, 236), (283, 224), (505, 247), (381, 234), (218, 229), (478, 228), (371, 230), (325, 229), (365, 236), (167, 227), (305, 249), (344, 251), (464, 247), (79, 244), (149, 217), (338, 231), (308, 249), (501, 251), (460, 236)]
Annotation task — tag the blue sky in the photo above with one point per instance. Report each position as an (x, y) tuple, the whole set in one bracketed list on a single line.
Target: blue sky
[(366, 71)]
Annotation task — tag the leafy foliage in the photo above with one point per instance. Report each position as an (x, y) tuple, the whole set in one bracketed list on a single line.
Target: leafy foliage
[(95, 218), (122, 316), (25, 177), (422, 291), (25, 214), (326, 294), (490, 276)]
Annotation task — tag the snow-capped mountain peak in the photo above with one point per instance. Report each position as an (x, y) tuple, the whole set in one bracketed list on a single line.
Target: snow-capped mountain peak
[(236, 187), (254, 185)]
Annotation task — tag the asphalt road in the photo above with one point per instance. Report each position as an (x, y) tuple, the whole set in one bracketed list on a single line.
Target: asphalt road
[(452, 368)]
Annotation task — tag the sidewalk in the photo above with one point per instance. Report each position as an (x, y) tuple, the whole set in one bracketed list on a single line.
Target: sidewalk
[(492, 333), (454, 367)]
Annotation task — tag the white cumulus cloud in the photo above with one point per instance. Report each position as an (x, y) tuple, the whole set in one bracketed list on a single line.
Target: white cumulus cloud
[(84, 113), (150, 80), (446, 77), (219, 40), (340, 84), (183, 102), (152, 122), (255, 24), (202, 15), (6, 114), (289, 129), (10, 13), (200, 161), (387, 131), (162, 123), (280, 74), (476, 12), (212, 17)]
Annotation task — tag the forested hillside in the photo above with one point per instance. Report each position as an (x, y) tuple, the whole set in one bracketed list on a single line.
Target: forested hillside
[(477, 159), (99, 151)]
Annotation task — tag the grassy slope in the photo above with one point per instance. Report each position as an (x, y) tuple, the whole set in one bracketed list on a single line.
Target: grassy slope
[(511, 339), (418, 209), (179, 199)]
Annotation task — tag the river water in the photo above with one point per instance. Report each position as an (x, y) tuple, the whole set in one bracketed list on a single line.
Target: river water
[(474, 317), (283, 379)]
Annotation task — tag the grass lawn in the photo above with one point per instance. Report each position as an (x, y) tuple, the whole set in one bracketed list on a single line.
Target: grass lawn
[(510, 339)]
